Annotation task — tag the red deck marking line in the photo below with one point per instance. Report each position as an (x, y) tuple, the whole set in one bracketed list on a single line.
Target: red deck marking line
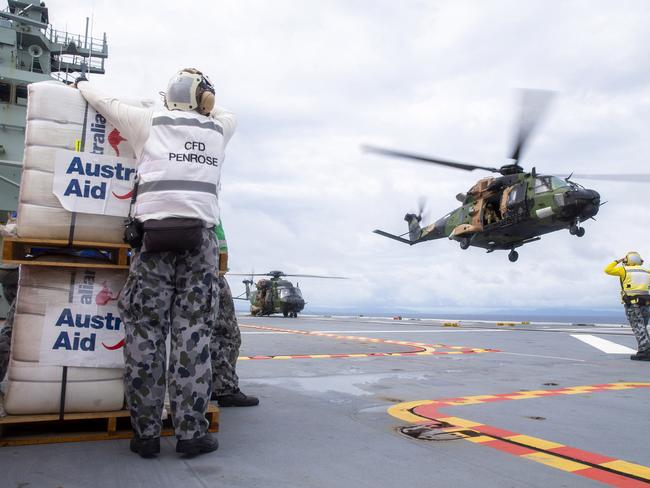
[(615, 472), (574, 453), (420, 349), (610, 478), (493, 431), (508, 447)]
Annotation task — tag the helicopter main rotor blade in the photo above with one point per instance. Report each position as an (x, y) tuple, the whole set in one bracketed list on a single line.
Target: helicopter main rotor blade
[(426, 159), (534, 104), (317, 276), (249, 274), (631, 178)]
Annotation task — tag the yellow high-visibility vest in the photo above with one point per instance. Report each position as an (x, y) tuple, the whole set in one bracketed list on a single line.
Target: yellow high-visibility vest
[(636, 280)]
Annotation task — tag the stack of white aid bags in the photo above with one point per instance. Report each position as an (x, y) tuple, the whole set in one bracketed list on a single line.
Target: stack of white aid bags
[(66, 316), (59, 119), (67, 345)]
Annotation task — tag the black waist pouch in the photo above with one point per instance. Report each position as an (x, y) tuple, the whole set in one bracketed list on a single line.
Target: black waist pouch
[(172, 234)]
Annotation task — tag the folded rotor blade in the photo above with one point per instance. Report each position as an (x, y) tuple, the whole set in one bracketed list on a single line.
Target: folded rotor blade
[(426, 159)]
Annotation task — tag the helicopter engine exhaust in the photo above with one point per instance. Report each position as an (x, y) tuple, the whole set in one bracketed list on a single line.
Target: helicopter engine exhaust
[(414, 226)]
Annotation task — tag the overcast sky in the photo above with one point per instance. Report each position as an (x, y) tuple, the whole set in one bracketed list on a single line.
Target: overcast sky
[(312, 80)]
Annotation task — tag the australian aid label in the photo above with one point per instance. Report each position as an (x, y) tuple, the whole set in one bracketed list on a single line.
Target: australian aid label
[(82, 335), (93, 183)]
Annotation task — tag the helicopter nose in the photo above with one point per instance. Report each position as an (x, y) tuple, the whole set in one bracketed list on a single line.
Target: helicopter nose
[(586, 202)]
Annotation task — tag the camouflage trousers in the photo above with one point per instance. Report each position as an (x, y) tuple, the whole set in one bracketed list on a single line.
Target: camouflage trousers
[(225, 343), (170, 292), (637, 316)]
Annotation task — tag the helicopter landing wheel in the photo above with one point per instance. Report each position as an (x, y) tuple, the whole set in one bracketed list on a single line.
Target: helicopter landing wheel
[(464, 243), (580, 232), (513, 256)]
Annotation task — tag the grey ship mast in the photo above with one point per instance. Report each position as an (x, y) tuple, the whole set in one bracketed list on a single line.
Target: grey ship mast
[(32, 50)]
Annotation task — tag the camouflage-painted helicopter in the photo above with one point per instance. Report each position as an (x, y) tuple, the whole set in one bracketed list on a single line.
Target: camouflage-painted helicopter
[(276, 295), (513, 209)]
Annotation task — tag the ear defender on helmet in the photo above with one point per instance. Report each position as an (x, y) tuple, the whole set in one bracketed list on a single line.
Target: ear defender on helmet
[(190, 90), (633, 258), (206, 104)]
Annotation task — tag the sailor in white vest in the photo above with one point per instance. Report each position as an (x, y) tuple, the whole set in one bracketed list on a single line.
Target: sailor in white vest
[(172, 285)]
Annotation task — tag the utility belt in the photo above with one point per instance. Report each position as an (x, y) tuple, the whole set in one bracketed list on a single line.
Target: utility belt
[(640, 300), (171, 234)]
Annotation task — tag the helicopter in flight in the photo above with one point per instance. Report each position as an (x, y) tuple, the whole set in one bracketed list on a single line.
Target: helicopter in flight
[(512, 208), (276, 295)]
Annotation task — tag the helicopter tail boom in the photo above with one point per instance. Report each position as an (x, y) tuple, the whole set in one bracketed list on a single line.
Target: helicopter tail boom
[(392, 236)]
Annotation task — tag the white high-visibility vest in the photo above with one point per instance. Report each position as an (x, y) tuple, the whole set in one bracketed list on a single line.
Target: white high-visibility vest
[(636, 280), (180, 168)]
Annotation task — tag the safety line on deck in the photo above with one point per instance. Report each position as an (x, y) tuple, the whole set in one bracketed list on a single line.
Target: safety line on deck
[(419, 348), (611, 471)]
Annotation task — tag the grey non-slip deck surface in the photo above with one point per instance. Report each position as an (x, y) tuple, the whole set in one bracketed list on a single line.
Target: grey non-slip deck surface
[(323, 422)]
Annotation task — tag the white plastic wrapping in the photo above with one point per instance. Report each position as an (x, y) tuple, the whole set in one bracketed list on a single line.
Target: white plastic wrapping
[(33, 388), (56, 117)]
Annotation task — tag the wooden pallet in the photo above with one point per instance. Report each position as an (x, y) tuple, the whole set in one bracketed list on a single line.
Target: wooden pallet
[(52, 252), (24, 430)]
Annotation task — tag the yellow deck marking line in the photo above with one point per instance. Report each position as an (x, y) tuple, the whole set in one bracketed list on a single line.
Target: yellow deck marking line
[(421, 349), (615, 472)]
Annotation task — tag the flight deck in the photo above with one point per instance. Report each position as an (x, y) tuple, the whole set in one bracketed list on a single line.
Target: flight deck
[(367, 402)]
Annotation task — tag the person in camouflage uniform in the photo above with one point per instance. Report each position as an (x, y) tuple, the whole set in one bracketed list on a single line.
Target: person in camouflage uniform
[(9, 280), (226, 340), (172, 283), (187, 281)]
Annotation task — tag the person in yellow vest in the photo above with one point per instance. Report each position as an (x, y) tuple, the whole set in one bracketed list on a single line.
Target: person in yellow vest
[(635, 286)]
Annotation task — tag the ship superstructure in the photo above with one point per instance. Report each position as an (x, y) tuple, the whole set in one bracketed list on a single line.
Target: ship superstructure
[(32, 50)]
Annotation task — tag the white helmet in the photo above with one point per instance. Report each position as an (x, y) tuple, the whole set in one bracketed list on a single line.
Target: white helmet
[(633, 258), (190, 90)]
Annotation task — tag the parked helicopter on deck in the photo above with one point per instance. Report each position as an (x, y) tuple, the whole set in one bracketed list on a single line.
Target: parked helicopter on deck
[(276, 295)]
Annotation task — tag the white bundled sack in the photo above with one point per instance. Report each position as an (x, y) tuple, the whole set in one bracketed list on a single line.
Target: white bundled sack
[(60, 120), (35, 370), (34, 389)]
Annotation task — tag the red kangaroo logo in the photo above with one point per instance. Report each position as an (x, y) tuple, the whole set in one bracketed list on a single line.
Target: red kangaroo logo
[(114, 139), (105, 295)]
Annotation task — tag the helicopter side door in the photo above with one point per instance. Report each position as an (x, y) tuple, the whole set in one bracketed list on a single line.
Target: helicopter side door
[(514, 202)]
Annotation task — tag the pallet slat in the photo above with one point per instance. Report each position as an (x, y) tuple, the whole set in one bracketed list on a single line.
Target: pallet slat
[(23, 430), (21, 250)]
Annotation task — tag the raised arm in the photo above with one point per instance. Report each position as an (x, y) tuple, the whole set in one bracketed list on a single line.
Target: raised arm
[(227, 120), (614, 269), (133, 122)]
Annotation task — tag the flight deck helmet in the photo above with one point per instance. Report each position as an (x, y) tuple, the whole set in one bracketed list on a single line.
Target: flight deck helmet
[(633, 258), (190, 90)]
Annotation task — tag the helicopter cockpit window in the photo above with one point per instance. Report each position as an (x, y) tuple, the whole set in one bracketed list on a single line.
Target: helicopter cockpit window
[(288, 292), (549, 183), (542, 184), (557, 182)]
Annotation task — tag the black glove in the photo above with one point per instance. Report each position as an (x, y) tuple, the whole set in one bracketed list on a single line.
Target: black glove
[(80, 78)]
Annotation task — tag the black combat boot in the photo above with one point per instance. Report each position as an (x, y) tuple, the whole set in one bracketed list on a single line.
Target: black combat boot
[(236, 399), (200, 445), (145, 447), (641, 356)]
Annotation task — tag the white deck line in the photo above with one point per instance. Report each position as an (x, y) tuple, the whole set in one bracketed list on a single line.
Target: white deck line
[(603, 344)]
